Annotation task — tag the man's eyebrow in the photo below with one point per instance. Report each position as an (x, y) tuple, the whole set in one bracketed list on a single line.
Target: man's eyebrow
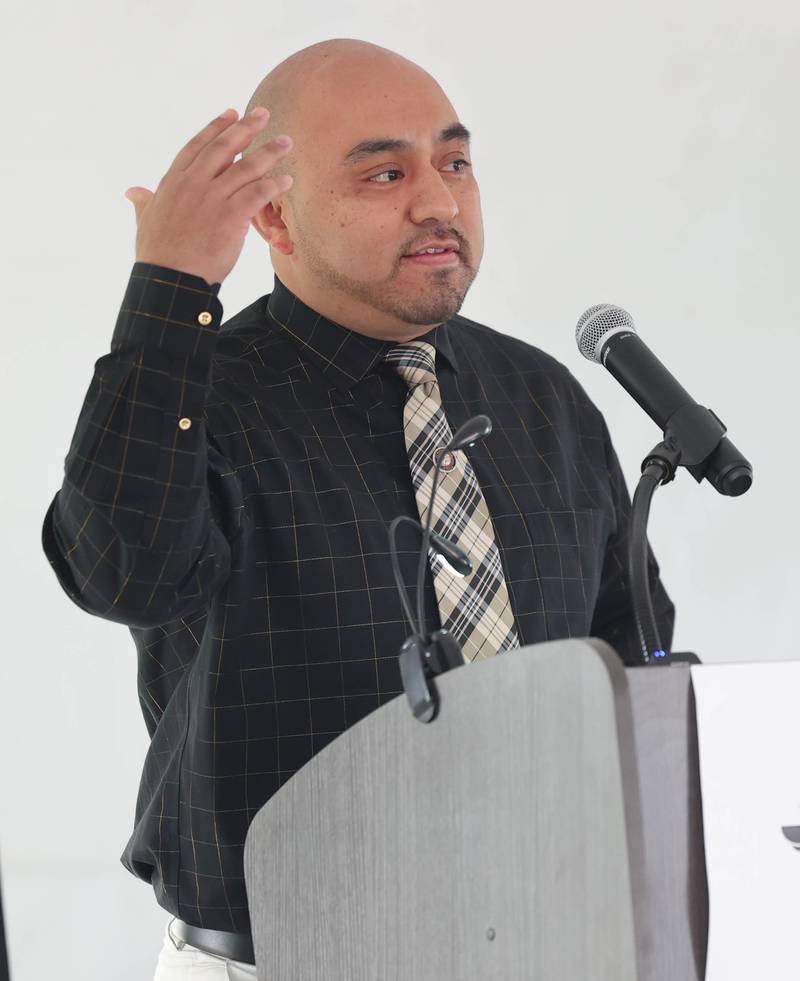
[(382, 144)]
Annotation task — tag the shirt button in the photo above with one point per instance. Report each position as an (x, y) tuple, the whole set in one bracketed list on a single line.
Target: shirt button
[(205, 318), (184, 423)]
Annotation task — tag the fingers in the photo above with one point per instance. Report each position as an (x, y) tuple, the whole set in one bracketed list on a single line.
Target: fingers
[(218, 155), (227, 135), (254, 167)]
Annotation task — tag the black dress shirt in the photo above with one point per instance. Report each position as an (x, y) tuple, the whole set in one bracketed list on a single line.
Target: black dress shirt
[(227, 496)]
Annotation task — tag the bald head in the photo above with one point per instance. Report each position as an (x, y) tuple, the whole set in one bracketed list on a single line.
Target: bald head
[(295, 91)]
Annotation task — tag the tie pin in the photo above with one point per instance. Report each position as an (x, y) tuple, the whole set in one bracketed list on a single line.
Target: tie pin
[(448, 458)]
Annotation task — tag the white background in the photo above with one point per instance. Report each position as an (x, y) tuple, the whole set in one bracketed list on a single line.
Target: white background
[(637, 153)]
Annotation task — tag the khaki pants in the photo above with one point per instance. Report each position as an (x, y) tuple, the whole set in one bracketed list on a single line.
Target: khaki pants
[(187, 963)]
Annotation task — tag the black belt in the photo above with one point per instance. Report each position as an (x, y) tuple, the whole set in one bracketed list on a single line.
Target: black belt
[(234, 946)]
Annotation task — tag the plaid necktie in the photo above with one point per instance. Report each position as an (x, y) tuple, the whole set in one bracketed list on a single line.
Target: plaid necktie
[(474, 608)]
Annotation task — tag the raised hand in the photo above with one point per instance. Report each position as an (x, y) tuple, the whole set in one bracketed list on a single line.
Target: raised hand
[(198, 217)]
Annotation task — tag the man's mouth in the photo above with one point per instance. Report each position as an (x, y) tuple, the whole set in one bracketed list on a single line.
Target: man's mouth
[(444, 257), (432, 250)]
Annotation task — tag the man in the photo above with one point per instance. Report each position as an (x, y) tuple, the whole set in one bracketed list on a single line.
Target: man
[(229, 487)]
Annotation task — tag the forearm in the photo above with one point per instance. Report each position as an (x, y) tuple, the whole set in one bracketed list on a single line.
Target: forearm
[(130, 534)]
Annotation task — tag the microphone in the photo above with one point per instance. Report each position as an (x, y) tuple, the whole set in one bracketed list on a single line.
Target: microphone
[(606, 334), (422, 653)]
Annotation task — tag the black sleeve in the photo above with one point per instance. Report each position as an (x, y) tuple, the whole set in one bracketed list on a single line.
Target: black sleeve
[(614, 619), (134, 534)]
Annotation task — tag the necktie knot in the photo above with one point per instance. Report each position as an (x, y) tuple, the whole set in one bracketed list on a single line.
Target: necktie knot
[(415, 362)]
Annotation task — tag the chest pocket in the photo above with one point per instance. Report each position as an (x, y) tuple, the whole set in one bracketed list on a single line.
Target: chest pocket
[(553, 560)]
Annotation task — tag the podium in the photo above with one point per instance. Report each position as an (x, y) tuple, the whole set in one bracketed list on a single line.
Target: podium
[(547, 825)]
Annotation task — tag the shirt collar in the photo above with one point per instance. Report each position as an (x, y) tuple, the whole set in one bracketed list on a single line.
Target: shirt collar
[(343, 355)]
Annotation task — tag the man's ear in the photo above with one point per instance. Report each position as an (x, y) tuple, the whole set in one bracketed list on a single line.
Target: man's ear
[(270, 226)]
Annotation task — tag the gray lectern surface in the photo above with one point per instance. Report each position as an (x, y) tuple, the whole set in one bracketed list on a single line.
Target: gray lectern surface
[(673, 888), (504, 840)]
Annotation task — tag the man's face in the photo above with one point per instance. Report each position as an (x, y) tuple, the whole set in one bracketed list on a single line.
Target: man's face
[(339, 243)]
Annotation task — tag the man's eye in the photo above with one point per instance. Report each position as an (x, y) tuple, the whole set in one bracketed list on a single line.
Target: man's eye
[(393, 171)]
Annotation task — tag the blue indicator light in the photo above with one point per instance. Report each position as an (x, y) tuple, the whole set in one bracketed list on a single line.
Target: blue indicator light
[(659, 653)]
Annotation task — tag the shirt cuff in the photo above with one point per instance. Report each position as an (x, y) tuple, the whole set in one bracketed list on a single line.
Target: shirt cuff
[(167, 310)]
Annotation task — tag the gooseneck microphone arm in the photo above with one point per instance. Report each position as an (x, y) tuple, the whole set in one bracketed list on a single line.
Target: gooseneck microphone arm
[(422, 655), (426, 536), (653, 474), (448, 550), (466, 435)]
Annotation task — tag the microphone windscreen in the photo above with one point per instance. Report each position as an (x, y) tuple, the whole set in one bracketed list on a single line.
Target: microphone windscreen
[(599, 323)]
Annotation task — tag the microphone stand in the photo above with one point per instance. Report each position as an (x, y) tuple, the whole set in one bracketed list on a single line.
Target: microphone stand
[(694, 437)]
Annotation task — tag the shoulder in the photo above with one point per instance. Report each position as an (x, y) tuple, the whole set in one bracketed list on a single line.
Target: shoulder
[(486, 348), (249, 332), (476, 337)]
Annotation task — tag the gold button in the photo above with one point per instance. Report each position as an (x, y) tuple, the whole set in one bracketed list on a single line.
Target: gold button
[(205, 318), (184, 423)]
